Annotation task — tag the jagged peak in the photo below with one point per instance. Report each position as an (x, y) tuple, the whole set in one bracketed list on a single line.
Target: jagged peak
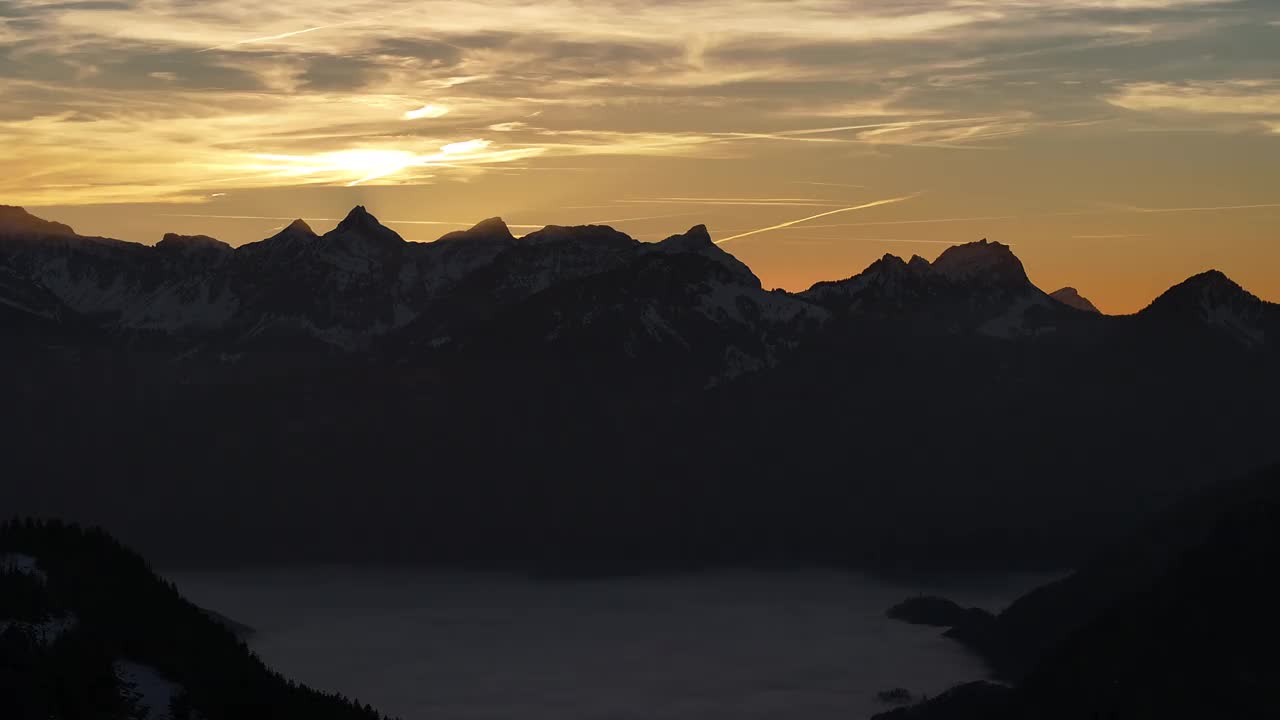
[(1071, 297), (491, 229), (980, 259), (15, 219)]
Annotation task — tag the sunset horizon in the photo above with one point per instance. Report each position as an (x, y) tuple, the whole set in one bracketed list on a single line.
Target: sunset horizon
[(930, 250), (1119, 145), (639, 359)]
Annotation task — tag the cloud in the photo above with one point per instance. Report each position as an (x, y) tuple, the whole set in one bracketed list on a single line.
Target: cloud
[(174, 98), (1232, 97), (427, 111)]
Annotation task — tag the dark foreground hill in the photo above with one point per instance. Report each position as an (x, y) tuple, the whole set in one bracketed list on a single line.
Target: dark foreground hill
[(575, 400), (87, 630), (1178, 622)]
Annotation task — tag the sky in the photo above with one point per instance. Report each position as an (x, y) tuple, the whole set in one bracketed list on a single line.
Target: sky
[(1119, 146)]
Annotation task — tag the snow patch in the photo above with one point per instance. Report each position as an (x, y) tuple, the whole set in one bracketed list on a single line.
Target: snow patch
[(1012, 323), (1225, 316), (45, 632), (147, 688), (19, 563)]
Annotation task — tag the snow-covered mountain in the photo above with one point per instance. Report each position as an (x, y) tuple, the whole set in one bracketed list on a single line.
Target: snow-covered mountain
[(578, 396), (978, 287), (1212, 301), (362, 285)]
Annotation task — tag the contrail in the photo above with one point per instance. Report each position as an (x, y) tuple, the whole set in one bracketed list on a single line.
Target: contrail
[(761, 202), (781, 226), (1204, 209), (269, 38), (638, 219), (828, 184), (920, 222)]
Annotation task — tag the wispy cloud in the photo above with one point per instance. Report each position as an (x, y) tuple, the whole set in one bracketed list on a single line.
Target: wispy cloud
[(1231, 97), (173, 98)]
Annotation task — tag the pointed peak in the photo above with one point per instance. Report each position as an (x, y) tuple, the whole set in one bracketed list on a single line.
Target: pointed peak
[(358, 217), (300, 227), (360, 223), (1071, 297), (492, 226), (918, 263), (694, 239), (14, 220), (697, 241)]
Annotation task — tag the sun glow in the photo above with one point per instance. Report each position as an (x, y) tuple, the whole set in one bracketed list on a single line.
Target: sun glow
[(352, 167)]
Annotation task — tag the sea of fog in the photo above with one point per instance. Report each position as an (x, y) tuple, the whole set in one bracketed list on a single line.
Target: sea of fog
[(799, 646)]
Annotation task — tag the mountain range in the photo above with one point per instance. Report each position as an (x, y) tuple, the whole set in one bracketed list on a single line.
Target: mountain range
[(574, 399)]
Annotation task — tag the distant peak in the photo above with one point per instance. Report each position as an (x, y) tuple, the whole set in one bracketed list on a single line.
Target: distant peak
[(14, 219), (596, 235), (188, 244), (1071, 297), (493, 229), (491, 226)]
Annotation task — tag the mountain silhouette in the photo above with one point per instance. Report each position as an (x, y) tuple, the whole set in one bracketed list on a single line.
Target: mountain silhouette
[(1071, 297), (578, 401)]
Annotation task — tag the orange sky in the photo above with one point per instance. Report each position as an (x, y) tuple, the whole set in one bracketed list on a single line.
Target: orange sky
[(1119, 146)]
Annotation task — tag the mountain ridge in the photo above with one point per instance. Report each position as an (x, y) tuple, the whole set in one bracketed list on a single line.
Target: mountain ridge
[(586, 401), (961, 262)]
